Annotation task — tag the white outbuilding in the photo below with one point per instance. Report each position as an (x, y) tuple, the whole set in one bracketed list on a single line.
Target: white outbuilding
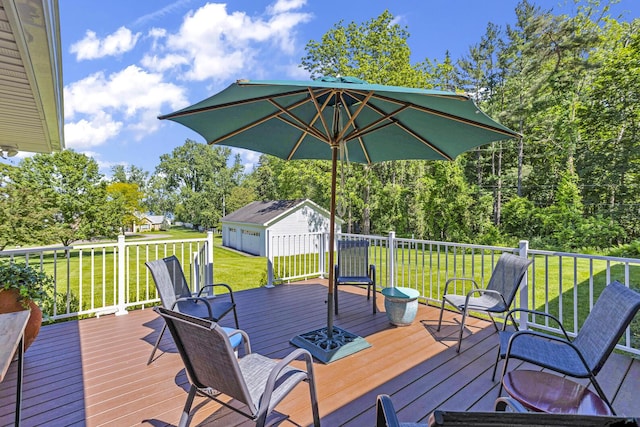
[(247, 228)]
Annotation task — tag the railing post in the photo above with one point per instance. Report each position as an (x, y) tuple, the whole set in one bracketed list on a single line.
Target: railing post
[(267, 236), (524, 286), (391, 258), (121, 277), (209, 266)]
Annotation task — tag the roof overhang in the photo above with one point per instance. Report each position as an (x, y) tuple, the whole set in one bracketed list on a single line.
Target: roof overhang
[(31, 91)]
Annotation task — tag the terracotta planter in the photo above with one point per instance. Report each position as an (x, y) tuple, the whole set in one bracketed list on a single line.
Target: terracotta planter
[(9, 304)]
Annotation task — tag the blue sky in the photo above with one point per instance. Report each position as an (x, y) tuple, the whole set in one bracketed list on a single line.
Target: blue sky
[(126, 62)]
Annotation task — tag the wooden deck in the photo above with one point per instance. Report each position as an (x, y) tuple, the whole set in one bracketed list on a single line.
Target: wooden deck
[(93, 372)]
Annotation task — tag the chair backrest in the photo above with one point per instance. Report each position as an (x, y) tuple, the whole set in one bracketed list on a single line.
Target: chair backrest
[(507, 275), (169, 278), (353, 258), (609, 318), (207, 354)]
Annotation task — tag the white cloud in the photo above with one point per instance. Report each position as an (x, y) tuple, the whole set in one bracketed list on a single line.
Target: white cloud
[(91, 47), (281, 6), (97, 107), (215, 44), (90, 133)]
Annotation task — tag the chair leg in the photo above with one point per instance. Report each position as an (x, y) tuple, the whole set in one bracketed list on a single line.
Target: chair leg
[(375, 307), (441, 311), (235, 316), (495, 325), (155, 347), (504, 371), (314, 402), (495, 366), (335, 300), (464, 317), (184, 418), (592, 378)]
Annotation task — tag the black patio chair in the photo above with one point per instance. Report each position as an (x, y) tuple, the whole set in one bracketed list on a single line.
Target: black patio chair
[(508, 413), (175, 295), (353, 268), (497, 297), (582, 357), (257, 382)]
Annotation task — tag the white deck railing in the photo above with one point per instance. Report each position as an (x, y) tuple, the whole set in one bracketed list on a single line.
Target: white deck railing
[(561, 283), (96, 279)]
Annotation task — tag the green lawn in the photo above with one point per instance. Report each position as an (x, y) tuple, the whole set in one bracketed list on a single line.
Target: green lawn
[(91, 281)]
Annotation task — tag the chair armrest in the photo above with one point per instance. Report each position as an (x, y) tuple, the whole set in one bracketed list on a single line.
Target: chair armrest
[(195, 299), (455, 279), (213, 285), (245, 339), (537, 313), (385, 412), (265, 400), (504, 403)]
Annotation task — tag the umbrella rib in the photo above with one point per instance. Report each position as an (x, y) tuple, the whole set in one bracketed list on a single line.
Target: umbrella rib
[(362, 146), (319, 110), (424, 141), (269, 117), (355, 115), (298, 123), (229, 104), (450, 116), (373, 126)]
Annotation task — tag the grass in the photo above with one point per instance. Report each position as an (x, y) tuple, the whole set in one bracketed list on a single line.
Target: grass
[(89, 282)]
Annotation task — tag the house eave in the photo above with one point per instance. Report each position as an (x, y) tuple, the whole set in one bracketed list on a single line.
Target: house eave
[(31, 85)]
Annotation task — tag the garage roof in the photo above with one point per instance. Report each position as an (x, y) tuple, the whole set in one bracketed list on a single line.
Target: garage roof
[(262, 212), (31, 97)]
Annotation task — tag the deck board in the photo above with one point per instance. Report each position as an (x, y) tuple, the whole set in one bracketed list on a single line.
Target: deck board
[(93, 372)]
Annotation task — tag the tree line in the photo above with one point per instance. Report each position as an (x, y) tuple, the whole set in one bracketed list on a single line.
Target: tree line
[(569, 84)]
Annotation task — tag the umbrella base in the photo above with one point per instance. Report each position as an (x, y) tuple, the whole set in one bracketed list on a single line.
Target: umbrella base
[(326, 350)]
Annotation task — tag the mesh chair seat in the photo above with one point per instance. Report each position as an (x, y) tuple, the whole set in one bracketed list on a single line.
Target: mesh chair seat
[(256, 383), (256, 369), (175, 295), (586, 354), (353, 268), (486, 302), (497, 297)]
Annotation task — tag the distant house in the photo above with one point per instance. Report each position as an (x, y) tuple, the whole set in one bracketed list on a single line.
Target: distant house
[(151, 223), (246, 229)]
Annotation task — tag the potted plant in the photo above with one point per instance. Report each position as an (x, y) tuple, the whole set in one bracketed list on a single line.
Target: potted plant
[(22, 288)]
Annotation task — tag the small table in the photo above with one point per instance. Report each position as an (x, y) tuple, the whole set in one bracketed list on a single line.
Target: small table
[(401, 305), (12, 327), (544, 392)]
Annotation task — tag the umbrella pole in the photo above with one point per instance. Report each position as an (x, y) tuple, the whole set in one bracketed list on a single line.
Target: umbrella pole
[(332, 238)]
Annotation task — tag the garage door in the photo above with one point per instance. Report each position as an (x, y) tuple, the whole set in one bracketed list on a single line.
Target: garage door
[(251, 242)]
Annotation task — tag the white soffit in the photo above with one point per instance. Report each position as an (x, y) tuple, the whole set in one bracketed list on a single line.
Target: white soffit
[(31, 96)]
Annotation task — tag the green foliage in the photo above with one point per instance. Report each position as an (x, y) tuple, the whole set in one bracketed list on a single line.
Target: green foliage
[(198, 176), (32, 284), (72, 195), (125, 200), (24, 219)]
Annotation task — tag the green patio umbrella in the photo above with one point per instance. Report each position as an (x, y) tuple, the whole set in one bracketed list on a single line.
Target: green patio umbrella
[(316, 119)]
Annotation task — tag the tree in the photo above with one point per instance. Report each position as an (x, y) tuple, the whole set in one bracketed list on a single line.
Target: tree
[(126, 201), (69, 184), (199, 176), (23, 220)]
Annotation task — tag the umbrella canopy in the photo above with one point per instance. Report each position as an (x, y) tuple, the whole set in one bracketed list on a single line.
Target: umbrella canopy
[(316, 119), (297, 120)]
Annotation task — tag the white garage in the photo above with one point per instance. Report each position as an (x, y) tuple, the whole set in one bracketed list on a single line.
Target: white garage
[(246, 229)]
